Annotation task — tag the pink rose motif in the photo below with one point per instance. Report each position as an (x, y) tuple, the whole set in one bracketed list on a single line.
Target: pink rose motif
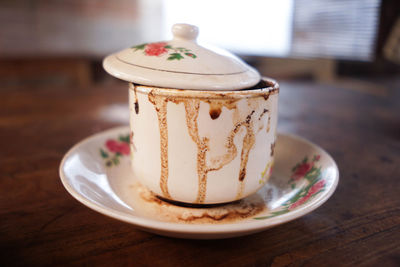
[(112, 145), (316, 187), (302, 170), (123, 148), (155, 49), (118, 147), (313, 190), (299, 202)]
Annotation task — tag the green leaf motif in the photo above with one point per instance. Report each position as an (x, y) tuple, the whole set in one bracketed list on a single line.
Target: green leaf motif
[(124, 138), (103, 154), (175, 56), (273, 214), (296, 197), (111, 157), (182, 49), (313, 176), (190, 55), (139, 47)]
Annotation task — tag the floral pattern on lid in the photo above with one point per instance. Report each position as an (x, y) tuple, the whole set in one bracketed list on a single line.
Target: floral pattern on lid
[(181, 63), (161, 48)]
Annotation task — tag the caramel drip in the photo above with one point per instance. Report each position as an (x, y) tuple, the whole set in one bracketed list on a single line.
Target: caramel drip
[(216, 106), (192, 107), (161, 108), (266, 96), (136, 104), (214, 113), (262, 114), (260, 117), (217, 103), (231, 151), (248, 142), (272, 149)]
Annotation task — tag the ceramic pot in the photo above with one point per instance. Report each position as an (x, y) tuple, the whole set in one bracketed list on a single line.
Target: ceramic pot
[(203, 146), (203, 123)]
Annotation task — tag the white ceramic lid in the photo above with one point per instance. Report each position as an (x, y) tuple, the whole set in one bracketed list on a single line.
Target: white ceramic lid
[(181, 63)]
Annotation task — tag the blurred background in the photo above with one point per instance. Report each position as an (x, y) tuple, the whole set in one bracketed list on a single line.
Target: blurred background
[(55, 43)]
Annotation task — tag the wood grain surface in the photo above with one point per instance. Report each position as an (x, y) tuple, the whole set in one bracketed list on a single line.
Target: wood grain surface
[(42, 225)]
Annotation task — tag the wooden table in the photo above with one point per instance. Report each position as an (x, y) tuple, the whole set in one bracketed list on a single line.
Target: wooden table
[(41, 224)]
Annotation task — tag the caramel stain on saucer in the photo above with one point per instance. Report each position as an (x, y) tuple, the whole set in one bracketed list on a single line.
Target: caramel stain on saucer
[(192, 106), (212, 213)]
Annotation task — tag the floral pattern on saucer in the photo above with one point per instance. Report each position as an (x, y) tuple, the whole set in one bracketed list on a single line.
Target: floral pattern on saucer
[(306, 176), (161, 48), (112, 190), (114, 149)]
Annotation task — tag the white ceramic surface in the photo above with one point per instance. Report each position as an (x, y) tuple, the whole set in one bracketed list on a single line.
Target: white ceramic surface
[(203, 147), (181, 63), (304, 177)]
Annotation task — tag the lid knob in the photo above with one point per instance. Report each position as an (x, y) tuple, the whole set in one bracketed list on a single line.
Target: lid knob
[(185, 31)]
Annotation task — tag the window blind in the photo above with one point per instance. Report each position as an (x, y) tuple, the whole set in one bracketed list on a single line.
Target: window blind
[(342, 29)]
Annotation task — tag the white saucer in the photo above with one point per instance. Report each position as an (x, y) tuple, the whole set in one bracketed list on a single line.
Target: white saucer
[(304, 177)]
